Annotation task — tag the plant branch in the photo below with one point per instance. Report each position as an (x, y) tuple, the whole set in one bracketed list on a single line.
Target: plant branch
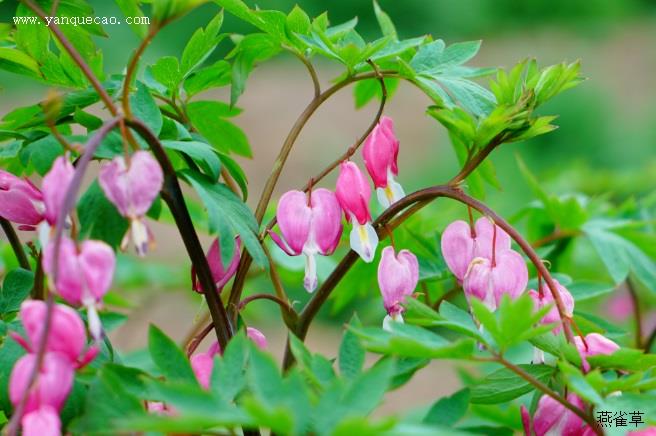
[(637, 313), (650, 341), (172, 194), (311, 70), (132, 68), (550, 392), (15, 243)]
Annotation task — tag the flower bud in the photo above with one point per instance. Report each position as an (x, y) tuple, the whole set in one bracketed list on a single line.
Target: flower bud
[(20, 201), (552, 418), (309, 227), (488, 280), (460, 244), (593, 344), (42, 422), (397, 278), (132, 189), (545, 298), (220, 274), (66, 335), (353, 193), (380, 152), (54, 187), (54, 383), (257, 337)]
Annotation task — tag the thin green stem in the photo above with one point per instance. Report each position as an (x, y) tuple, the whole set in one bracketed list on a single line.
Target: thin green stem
[(132, 68), (637, 313), (15, 243)]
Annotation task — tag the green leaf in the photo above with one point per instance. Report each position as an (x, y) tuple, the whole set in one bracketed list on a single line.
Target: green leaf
[(208, 117), (227, 213), (298, 21), (41, 153), (144, 108), (165, 11), (368, 389), (167, 72), (201, 45), (201, 153), (214, 76), (15, 288), (452, 407), (252, 49), (411, 341), (625, 359), (504, 385), (460, 52), (585, 290), (384, 21), (170, 360), (351, 355), (18, 62), (130, 8), (578, 383), (99, 218), (228, 377)]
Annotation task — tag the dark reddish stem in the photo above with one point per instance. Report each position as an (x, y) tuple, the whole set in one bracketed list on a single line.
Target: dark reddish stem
[(15, 243)]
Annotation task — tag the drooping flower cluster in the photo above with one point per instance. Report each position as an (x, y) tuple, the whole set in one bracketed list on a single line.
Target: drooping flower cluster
[(311, 224), (482, 260), (220, 273), (64, 353)]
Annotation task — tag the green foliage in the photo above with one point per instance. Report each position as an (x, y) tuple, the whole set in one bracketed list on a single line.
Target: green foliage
[(16, 287), (504, 385)]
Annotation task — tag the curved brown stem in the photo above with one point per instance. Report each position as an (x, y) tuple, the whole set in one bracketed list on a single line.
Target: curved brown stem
[(172, 195), (15, 243), (197, 339), (313, 72), (321, 295), (588, 418)]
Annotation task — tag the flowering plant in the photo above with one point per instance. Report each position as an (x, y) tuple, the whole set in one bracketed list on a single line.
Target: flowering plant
[(477, 290)]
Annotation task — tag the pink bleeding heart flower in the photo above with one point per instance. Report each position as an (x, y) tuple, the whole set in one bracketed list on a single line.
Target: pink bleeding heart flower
[(221, 274), (54, 187), (54, 382), (380, 152), (66, 335), (20, 201), (489, 279), (398, 275), (552, 418), (461, 244), (545, 298), (132, 189), (203, 363), (42, 422), (310, 225), (592, 345), (84, 275), (353, 193)]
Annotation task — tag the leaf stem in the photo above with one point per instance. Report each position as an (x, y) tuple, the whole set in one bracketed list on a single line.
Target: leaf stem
[(15, 243), (637, 313), (132, 68)]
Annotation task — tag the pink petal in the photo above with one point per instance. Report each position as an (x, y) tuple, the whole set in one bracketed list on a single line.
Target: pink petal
[(203, 364), (257, 337), (67, 334), (97, 261), (380, 152), (70, 282), (526, 421), (54, 187), (457, 248), (294, 217), (145, 179), (397, 277), (510, 275), (20, 201), (326, 220), (485, 234), (478, 281), (353, 192), (220, 274), (42, 422), (54, 383)]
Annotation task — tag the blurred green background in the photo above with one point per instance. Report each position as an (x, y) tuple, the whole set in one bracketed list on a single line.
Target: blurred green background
[(605, 146)]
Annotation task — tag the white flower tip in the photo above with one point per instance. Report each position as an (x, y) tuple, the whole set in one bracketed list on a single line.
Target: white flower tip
[(95, 325), (389, 319), (364, 240)]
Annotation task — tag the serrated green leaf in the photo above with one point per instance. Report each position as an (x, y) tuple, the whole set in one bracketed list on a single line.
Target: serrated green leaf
[(170, 360), (99, 218), (16, 287), (452, 407), (167, 72), (504, 385), (351, 355), (203, 154)]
